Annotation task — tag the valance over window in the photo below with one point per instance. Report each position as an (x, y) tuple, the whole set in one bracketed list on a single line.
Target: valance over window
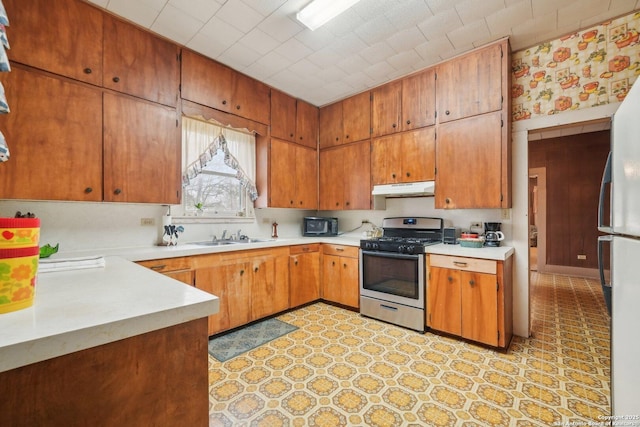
[(206, 139)]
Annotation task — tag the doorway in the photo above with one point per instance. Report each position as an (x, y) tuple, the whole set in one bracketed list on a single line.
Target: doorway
[(537, 218)]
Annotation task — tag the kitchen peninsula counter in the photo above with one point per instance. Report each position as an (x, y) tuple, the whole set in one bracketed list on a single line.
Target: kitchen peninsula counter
[(106, 346)]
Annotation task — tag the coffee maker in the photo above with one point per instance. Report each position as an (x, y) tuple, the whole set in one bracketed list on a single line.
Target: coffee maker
[(492, 234)]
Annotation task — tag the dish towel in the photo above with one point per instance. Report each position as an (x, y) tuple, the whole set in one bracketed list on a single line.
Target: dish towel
[(51, 265)]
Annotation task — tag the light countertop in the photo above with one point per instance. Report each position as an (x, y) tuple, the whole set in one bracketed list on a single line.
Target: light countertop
[(76, 310), (500, 253)]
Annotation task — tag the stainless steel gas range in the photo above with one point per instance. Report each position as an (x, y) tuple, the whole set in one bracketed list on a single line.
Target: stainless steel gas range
[(393, 271)]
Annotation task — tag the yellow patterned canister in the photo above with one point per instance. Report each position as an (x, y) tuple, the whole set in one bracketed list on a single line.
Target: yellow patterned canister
[(19, 254)]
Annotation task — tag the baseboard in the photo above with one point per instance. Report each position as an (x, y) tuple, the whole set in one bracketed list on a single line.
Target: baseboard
[(591, 273)]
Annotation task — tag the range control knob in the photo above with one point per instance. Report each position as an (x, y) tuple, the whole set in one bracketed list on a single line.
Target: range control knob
[(410, 249)]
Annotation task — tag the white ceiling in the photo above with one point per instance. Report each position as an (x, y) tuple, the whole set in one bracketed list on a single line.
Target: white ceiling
[(373, 42)]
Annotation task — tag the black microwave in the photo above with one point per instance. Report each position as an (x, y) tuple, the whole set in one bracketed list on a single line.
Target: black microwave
[(319, 226)]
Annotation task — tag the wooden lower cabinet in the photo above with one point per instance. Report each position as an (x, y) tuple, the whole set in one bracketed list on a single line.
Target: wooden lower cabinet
[(250, 284), (471, 298), (155, 379), (177, 268), (340, 275), (304, 274)]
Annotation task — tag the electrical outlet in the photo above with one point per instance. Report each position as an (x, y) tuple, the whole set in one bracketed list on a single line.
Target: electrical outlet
[(505, 214), (582, 257), (476, 224), (147, 221)]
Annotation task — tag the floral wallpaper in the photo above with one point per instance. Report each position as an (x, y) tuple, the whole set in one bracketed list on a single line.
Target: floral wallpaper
[(593, 67)]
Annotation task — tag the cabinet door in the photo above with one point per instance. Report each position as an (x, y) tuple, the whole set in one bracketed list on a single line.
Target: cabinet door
[(283, 116), (356, 117), (443, 300), (231, 283), (331, 125), (356, 175), (349, 286), (470, 85), (140, 63), (307, 124), (206, 82), (63, 36), (304, 278), (386, 163), (306, 166), (184, 276), (419, 100), (55, 134), (469, 163), (479, 296), (282, 166), (419, 155), (142, 152), (270, 285), (331, 179), (331, 278), (250, 99), (385, 106)]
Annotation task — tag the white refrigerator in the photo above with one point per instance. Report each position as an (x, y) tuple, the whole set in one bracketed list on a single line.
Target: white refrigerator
[(621, 182)]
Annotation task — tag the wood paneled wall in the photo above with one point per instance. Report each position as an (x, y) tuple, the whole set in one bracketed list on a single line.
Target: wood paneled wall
[(574, 166)]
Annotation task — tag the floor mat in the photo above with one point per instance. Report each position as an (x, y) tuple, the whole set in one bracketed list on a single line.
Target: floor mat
[(230, 345)]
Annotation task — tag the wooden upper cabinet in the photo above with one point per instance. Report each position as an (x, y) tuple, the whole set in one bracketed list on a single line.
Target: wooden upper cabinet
[(331, 125), (62, 36), (55, 134), (406, 157), (471, 166), (346, 121), (142, 149), (471, 84), (419, 100), (140, 63), (404, 104), (306, 124), (283, 116), (293, 181), (356, 117), (293, 120), (210, 83), (345, 177), (386, 107)]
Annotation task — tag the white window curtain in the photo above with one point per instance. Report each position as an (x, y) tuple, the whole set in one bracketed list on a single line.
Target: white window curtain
[(201, 139)]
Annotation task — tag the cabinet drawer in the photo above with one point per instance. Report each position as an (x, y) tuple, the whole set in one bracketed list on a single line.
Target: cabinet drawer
[(340, 250), (303, 249), (167, 264), (465, 264)]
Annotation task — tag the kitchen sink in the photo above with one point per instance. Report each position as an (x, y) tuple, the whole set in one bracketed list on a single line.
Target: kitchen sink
[(216, 243), (253, 240)]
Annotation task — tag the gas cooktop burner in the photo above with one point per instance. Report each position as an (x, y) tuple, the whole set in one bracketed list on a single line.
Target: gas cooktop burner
[(406, 235)]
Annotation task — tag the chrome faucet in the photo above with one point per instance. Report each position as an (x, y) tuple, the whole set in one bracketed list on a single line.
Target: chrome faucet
[(224, 235)]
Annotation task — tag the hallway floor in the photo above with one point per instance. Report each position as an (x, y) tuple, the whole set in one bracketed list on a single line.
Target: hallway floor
[(342, 369)]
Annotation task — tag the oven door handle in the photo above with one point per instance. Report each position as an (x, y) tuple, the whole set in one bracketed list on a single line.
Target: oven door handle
[(391, 254)]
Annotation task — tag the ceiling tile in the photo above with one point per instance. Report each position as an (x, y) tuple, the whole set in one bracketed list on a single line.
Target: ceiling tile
[(379, 71), (404, 60), (176, 24), (202, 10), (280, 27), (411, 14), (142, 12), (378, 52), (259, 41), (466, 35), (437, 25), (293, 50), (216, 36), (470, 13), (501, 22), (410, 37), (239, 15), (264, 7), (267, 66), (239, 57)]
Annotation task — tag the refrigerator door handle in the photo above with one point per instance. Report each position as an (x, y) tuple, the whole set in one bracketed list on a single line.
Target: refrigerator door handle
[(606, 287), (606, 179)]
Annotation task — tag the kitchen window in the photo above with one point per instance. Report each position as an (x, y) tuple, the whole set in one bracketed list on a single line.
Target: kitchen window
[(218, 172)]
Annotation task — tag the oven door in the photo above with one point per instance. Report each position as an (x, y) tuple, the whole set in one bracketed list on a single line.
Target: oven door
[(393, 277)]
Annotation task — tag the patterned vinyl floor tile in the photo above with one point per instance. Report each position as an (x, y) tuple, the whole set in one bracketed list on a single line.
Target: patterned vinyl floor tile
[(342, 369)]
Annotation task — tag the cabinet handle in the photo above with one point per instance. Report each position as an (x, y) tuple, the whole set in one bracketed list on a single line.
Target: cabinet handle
[(305, 249), (290, 202), (339, 249), (447, 112), (295, 262), (237, 107), (300, 138), (88, 190), (450, 279), (337, 139), (337, 203), (87, 70), (333, 263), (346, 137), (393, 125), (408, 122), (344, 265), (291, 136), (348, 203), (471, 282), (116, 79), (408, 174), (241, 272), (393, 175), (255, 270), (158, 267), (460, 263), (447, 200), (117, 191), (224, 102)]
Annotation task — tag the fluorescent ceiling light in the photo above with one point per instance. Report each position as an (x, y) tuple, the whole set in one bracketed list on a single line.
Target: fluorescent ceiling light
[(319, 12)]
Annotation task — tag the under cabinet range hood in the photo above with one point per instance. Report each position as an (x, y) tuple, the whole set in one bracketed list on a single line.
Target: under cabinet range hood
[(411, 189)]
